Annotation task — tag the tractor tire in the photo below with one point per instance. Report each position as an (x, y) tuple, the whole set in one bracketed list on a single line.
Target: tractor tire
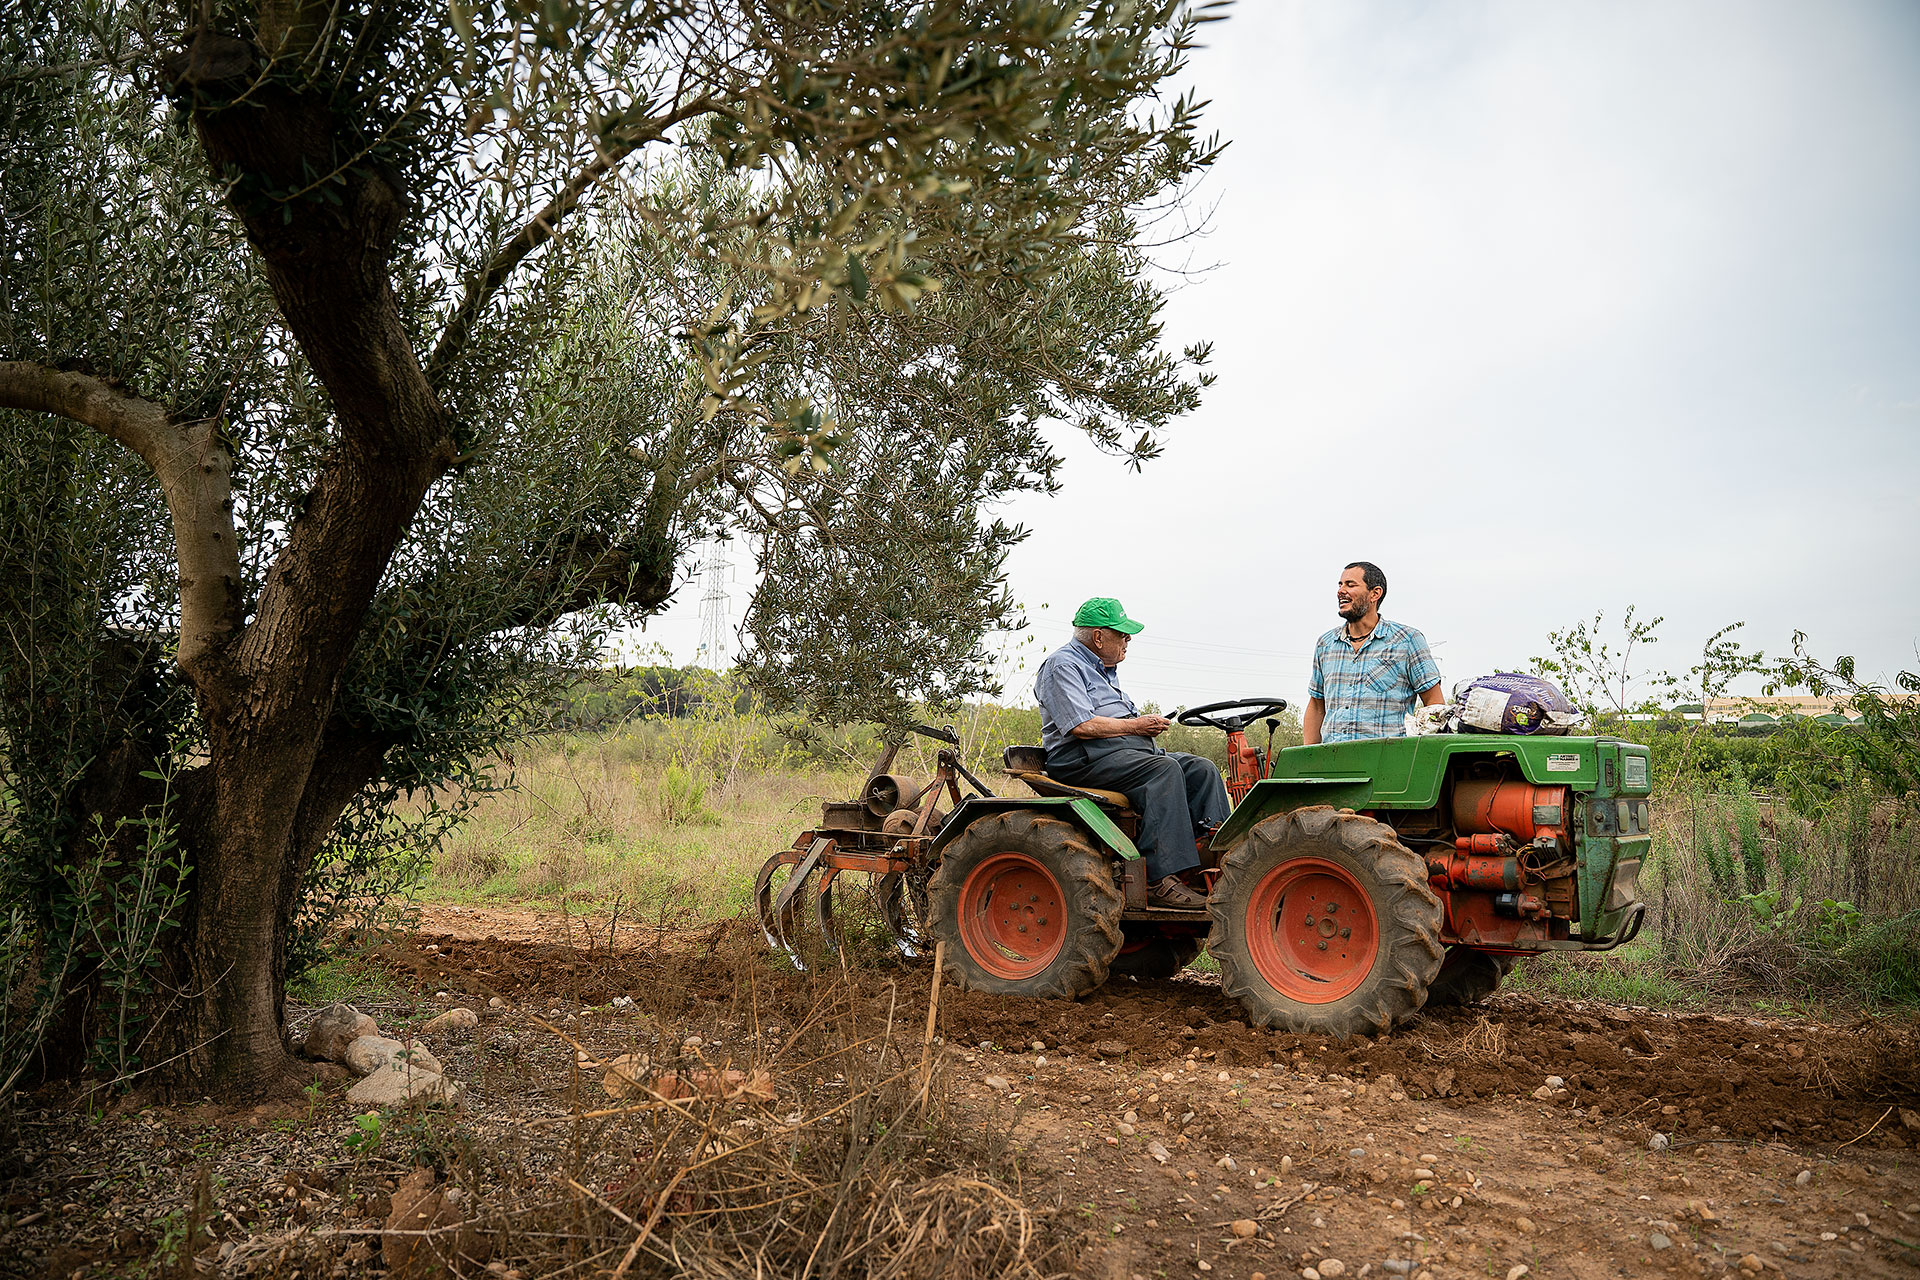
[(1323, 924), (1027, 907), (1468, 976), (1156, 956)]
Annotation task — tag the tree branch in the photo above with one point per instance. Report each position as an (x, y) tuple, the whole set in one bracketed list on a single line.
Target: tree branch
[(195, 471), (542, 228), (592, 571)]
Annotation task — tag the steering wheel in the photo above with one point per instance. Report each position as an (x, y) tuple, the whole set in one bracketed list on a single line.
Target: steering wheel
[(1244, 712)]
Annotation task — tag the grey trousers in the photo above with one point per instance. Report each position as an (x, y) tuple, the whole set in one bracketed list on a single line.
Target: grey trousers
[(1175, 793)]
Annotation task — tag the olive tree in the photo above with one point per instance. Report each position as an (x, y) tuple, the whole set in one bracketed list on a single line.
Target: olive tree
[(362, 363)]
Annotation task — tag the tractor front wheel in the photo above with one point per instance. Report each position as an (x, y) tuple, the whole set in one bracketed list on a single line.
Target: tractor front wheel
[(1027, 907), (1323, 924), (1468, 976)]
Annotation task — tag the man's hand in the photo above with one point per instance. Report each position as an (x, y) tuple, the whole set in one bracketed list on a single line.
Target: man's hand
[(1113, 727)]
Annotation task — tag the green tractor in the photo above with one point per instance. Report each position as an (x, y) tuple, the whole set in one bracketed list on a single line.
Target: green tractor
[(1353, 883)]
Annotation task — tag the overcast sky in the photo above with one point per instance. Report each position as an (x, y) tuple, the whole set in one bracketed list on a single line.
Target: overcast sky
[(1546, 308)]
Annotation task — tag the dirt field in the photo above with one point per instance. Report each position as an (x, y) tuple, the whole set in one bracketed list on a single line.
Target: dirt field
[(1151, 1131)]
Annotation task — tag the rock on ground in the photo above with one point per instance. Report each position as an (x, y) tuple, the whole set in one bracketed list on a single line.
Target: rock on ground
[(397, 1083), (337, 1026), (623, 1075), (369, 1053), (452, 1020)]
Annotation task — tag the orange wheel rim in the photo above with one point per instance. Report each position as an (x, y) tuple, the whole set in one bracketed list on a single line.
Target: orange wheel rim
[(1311, 930), (1012, 916)]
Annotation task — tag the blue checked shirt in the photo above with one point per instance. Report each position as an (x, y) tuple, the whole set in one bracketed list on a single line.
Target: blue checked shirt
[(1369, 691), (1072, 687)]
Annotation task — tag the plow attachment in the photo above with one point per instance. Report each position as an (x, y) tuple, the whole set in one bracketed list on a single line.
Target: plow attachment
[(861, 874)]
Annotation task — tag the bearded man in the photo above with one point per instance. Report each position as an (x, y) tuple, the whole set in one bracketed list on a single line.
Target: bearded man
[(1368, 673)]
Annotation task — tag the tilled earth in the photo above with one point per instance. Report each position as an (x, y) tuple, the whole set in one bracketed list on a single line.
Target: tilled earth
[(1153, 1127)]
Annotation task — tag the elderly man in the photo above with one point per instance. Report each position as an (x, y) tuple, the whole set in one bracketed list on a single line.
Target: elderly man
[(1367, 672), (1096, 737)]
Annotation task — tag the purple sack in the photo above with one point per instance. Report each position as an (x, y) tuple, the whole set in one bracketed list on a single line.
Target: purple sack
[(1508, 702)]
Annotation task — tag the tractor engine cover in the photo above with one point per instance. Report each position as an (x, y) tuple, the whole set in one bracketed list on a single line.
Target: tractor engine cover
[(1511, 807)]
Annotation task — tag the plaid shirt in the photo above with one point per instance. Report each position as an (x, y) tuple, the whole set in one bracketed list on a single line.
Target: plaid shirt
[(1369, 690)]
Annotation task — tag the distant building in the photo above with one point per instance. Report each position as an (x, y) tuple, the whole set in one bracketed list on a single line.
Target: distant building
[(1769, 710)]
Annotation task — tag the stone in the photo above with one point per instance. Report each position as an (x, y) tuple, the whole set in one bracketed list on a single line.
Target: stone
[(496, 1003), (1037, 1045), (1308, 1273), (369, 1053), (1124, 1129), (1130, 1118), (1423, 1174), (1803, 1177), (1659, 1142), (336, 1027), (1159, 1152), (1000, 1083), (1244, 1228), (1111, 1048), (399, 1084), (1658, 1243), (1555, 1082), (1226, 1162), (1397, 1266), (1358, 1153), (1524, 1225), (622, 1079), (452, 1020), (1751, 1262), (1286, 1164), (1517, 1270), (1331, 1267), (1910, 1119)]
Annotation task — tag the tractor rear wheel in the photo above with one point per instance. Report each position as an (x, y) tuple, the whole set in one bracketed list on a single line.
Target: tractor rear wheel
[(1027, 907), (1468, 976), (1153, 955), (1323, 924)]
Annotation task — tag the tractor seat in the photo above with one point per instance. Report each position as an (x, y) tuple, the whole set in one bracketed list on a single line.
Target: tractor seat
[(1029, 765)]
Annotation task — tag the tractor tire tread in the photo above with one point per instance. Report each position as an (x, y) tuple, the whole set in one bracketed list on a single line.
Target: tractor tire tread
[(1085, 877), (1409, 913)]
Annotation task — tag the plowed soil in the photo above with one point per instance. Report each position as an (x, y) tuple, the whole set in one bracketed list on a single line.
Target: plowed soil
[(1473, 1141), (1153, 1132)]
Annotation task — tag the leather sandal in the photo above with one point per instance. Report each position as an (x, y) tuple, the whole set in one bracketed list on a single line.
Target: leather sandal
[(1171, 895)]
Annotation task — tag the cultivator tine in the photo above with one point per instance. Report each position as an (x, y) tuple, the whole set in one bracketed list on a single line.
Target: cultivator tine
[(823, 909), (784, 906), (891, 890)]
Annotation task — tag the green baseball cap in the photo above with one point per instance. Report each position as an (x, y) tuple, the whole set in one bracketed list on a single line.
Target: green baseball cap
[(1105, 611)]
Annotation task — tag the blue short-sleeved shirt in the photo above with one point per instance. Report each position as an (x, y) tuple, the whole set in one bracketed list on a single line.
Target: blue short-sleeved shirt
[(1369, 691), (1073, 686)]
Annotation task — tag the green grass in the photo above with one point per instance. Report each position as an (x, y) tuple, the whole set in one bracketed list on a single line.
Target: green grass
[(342, 979), (594, 819), (1632, 975)]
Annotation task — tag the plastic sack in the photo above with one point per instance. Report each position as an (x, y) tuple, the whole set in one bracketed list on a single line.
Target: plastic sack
[(1508, 702)]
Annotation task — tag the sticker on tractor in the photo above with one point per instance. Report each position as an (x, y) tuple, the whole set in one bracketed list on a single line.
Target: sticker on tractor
[(1563, 764), (1636, 771)]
